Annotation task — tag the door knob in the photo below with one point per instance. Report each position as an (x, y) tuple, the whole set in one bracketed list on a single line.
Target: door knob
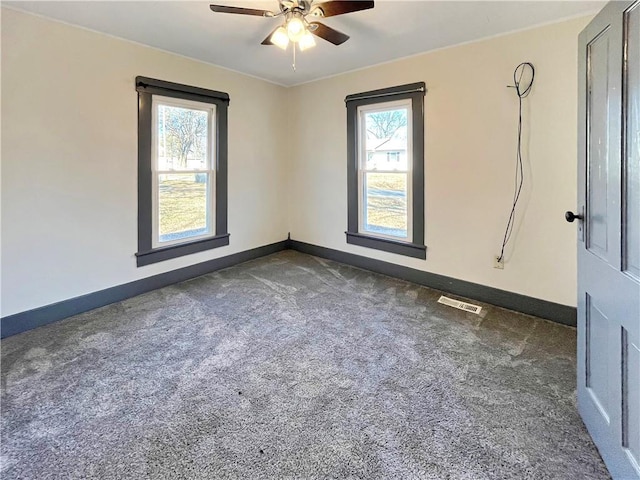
[(570, 217)]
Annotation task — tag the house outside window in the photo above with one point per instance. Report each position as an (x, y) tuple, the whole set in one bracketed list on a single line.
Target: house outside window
[(182, 165), (386, 170)]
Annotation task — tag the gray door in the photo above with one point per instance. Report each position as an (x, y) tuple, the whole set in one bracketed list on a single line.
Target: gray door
[(609, 235)]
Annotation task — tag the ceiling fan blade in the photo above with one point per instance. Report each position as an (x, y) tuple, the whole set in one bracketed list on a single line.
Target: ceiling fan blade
[(241, 11), (267, 41), (328, 33), (340, 7)]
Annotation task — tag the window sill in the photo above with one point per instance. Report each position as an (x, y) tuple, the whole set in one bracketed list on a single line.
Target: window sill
[(387, 245), (173, 251)]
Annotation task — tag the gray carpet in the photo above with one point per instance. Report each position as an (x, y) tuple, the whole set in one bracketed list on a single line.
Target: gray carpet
[(291, 366)]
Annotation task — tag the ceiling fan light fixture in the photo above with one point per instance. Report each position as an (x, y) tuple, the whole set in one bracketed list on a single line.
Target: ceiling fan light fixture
[(295, 29), (307, 41), (280, 38)]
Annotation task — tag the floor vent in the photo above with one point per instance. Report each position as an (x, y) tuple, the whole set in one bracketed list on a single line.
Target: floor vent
[(467, 307)]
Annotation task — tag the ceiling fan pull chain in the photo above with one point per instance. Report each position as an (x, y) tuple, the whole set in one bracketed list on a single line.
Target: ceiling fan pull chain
[(294, 57)]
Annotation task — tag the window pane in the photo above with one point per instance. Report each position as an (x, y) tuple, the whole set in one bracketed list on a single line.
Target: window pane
[(385, 203), (182, 135), (386, 140), (182, 202)]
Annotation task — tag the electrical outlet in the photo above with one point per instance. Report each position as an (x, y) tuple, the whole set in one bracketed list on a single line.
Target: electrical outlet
[(498, 263)]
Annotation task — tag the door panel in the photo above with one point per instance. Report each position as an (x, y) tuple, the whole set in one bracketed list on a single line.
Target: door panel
[(598, 52), (608, 286), (631, 403), (597, 375), (631, 232)]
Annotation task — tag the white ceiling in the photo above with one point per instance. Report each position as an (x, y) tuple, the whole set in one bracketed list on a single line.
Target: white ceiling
[(393, 29)]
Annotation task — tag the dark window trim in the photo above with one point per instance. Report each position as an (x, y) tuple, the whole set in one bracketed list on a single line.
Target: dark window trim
[(387, 244), (178, 90), (146, 88), (416, 92)]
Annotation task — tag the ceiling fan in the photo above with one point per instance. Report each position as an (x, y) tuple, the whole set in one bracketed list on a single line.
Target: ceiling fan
[(296, 27)]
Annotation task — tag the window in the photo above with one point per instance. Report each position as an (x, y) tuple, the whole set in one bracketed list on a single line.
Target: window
[(385, 175), (383, 186), (182, 170), (394, 156)]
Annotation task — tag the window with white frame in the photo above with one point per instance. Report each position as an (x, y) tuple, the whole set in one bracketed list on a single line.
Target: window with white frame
[(183, 147), (182, 142), (385, 131), (384, 185)]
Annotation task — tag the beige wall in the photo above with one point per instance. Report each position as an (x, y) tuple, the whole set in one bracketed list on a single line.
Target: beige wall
[(470, 135), (69, 159)]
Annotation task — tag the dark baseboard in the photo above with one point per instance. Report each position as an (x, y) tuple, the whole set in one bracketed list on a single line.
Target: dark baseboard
[(23, 321), (513, 301)]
